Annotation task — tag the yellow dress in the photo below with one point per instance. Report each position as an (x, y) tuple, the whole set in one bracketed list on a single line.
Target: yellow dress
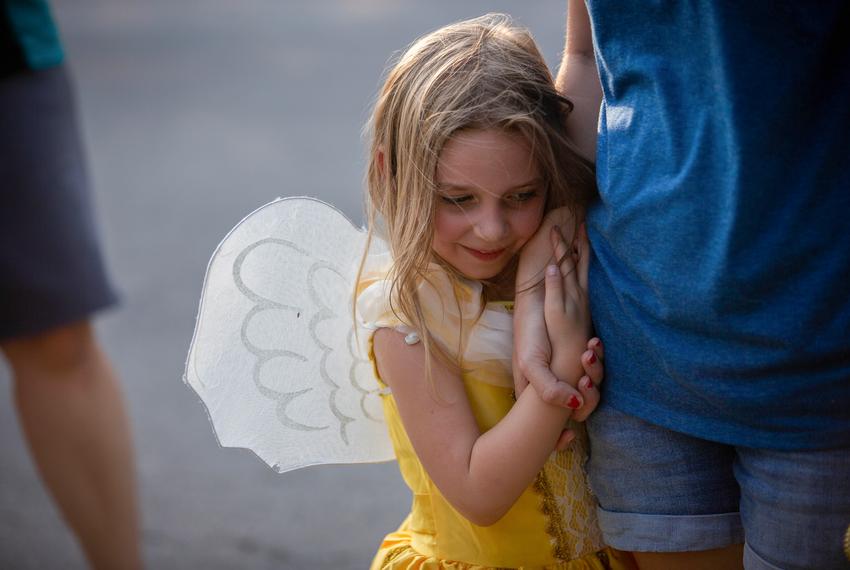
[(553, 523)]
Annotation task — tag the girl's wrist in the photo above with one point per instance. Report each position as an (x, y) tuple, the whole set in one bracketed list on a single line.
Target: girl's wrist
[(568, 370)]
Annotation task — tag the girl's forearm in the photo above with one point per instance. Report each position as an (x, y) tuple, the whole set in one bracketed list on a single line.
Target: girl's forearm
[(480, 474), (505, 460)]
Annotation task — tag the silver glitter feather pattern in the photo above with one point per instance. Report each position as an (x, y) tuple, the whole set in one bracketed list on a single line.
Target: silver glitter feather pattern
[(274, 356)]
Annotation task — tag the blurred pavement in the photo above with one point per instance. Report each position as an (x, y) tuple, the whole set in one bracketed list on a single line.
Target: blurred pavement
[(195, 113)]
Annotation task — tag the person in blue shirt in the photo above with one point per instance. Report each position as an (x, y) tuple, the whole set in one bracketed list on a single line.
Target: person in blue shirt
[(719, 282), (52, 280)]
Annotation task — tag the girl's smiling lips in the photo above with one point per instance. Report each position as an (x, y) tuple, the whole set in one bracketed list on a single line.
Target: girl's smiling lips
[(485, 255)]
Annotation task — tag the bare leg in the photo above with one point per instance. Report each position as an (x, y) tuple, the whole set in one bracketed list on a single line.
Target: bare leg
[(730, 558), (71, 411)]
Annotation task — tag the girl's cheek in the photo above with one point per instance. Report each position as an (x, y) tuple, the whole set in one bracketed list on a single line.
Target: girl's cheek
[(535, 220)]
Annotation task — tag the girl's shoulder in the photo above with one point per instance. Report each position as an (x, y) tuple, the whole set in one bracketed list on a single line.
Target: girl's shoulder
[(444, 299), (374, 307), (453, 309)]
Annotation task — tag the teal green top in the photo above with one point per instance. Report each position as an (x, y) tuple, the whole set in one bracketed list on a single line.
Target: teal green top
[(34, 31)]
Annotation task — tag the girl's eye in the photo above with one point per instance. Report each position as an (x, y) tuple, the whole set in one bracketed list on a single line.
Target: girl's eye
[(456, 200), (523, 196)]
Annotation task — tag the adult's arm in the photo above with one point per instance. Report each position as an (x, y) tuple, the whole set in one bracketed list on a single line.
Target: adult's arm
[(578, 79)]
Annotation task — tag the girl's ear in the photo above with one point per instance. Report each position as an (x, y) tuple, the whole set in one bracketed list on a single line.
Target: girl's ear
[(380, 162)]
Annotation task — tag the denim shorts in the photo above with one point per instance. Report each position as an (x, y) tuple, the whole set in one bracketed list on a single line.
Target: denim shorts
[(663, 491)]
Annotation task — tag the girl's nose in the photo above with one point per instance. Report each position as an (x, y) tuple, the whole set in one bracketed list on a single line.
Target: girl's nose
[(491, 225)]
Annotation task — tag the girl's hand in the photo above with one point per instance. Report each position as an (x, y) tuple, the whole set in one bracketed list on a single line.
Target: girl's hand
[(567, 311), (566, 306), (532, 351)]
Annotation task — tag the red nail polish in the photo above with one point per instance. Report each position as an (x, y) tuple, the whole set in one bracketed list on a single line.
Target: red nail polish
[(592, 358), (589, 383), (574, 403)]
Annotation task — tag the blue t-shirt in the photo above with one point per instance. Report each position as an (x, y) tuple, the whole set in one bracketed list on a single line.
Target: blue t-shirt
[(721, 278)]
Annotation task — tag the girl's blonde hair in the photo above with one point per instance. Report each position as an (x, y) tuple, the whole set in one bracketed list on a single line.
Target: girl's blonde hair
[(477, 74)]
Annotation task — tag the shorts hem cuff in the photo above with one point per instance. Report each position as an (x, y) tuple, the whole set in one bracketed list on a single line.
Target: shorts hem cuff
[(670, 533)]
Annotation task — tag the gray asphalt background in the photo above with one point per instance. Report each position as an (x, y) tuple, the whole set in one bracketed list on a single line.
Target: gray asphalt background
[(196, 112)]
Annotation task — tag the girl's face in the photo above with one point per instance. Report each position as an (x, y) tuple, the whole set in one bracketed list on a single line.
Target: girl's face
[(490, 202)]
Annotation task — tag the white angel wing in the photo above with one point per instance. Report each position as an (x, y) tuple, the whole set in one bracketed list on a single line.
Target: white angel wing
[(273, 357)]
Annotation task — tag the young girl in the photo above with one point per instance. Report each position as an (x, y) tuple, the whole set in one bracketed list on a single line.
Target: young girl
[(468, 155)]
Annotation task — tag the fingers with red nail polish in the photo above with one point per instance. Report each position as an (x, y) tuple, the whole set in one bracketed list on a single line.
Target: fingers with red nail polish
[(591, 362), (590, 397)]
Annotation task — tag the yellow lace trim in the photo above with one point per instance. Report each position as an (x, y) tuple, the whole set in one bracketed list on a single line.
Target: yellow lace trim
[(567, 502), (555, 523)]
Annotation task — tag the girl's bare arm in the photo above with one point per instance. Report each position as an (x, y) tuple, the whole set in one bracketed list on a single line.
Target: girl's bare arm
[(481, 474)]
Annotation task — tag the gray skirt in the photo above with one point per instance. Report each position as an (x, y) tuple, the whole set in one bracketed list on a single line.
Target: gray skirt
[(51, 269)]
